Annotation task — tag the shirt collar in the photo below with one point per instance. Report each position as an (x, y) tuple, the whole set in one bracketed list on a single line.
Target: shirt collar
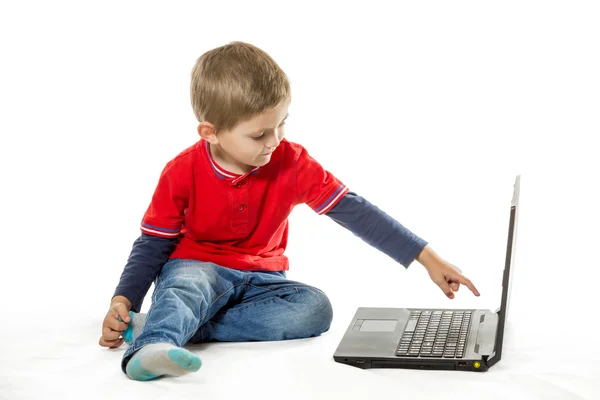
[(222, 173)]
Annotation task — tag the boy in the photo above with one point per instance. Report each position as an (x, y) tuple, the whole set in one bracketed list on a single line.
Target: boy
[(216, 229)]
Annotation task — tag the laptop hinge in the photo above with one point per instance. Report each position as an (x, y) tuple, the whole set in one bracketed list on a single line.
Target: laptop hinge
[(490, 360)]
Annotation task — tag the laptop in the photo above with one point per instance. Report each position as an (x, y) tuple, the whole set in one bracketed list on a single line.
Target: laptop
[(439, 339)]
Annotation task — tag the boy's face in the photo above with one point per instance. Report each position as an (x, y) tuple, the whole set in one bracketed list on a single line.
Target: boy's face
[(250, 143)]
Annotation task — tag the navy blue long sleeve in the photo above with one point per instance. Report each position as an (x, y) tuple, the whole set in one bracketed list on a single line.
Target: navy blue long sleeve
[(377, 228), (353, 212), (148, 255)]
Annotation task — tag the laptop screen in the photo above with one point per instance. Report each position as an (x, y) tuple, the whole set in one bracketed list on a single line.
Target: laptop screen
[(510, 250), (507, 276)]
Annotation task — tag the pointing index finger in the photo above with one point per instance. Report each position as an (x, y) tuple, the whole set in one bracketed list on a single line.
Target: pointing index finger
[(467, 282)]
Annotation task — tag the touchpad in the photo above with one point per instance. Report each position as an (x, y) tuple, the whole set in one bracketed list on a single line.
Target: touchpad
[(379, 325)]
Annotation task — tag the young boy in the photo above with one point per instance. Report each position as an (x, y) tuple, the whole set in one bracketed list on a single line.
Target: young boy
[(216, 229)]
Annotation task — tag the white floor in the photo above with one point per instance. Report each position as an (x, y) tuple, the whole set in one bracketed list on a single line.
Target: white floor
[(51, 362)]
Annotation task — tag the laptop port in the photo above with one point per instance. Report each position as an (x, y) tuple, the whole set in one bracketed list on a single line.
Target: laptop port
[(462, 364), (360, 361)]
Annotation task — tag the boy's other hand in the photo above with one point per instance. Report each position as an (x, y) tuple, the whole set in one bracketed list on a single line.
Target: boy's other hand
[(445, 275), (112, 327)]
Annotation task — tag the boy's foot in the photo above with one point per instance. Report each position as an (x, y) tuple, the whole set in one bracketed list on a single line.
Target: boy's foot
[(158, 359), (135, 326)]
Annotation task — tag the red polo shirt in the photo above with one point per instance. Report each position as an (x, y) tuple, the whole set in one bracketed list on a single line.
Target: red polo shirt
[(237, 221)]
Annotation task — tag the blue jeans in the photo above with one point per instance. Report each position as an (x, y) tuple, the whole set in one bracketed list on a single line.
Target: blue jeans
[(196, 302)]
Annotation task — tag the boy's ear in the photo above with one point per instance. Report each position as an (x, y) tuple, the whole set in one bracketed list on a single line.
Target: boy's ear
[(206, 130)]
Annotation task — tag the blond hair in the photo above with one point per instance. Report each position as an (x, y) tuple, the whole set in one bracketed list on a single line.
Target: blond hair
[(236, 82)]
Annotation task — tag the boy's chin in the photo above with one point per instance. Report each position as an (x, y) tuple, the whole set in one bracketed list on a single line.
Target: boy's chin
[(262, 162)]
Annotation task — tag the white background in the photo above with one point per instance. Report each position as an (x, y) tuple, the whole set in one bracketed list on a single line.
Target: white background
[(427, 109)]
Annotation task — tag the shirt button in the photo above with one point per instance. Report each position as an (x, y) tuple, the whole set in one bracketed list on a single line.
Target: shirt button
[(241, 207), (239, 184)]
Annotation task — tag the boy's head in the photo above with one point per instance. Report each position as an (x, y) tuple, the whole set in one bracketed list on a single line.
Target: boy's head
[(241, 97)]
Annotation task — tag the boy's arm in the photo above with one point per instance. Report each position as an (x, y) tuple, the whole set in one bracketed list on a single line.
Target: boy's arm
[(161, 227), (148, 255), (325, 194), (387, 235), (376, 228)]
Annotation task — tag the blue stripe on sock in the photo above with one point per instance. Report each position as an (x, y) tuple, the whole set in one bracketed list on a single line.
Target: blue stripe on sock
[(185, 359), (137, 372), (128, 333)]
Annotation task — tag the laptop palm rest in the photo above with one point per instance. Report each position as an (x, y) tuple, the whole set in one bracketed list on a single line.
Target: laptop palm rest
[(486, 334)]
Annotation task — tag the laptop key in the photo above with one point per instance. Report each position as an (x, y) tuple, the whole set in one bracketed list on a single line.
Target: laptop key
[(410, 326)]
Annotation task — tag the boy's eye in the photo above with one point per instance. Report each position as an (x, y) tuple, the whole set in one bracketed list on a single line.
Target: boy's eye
[(263, 134)]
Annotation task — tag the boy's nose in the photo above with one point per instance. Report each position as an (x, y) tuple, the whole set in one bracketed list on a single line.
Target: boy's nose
[(273, 142)]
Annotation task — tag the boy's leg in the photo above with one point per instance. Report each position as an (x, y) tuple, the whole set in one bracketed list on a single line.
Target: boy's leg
[(187, 294), (272, 308)]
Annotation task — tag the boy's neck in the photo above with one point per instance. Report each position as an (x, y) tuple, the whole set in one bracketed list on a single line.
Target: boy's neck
[(223, 160)]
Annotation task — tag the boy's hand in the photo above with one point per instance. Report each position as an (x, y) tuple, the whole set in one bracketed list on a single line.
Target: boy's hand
[(445, 275), (112, 327)]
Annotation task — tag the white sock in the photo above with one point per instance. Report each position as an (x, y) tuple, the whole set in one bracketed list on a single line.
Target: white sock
[(158, 359)]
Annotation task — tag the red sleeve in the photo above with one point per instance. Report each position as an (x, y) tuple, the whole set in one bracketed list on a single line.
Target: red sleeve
[(164, 216), (317, 187)]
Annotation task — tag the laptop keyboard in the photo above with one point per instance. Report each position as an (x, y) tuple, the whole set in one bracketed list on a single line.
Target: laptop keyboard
[(441, 333)]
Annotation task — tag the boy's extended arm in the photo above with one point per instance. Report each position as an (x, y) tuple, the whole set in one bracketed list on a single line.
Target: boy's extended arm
[(148, 255), (386, 234), (376, 228)]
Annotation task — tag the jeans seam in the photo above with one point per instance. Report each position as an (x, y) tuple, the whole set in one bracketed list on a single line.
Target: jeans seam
[(251, 304), (152, 305), (289, 299), (271, 290), (245, 305)]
